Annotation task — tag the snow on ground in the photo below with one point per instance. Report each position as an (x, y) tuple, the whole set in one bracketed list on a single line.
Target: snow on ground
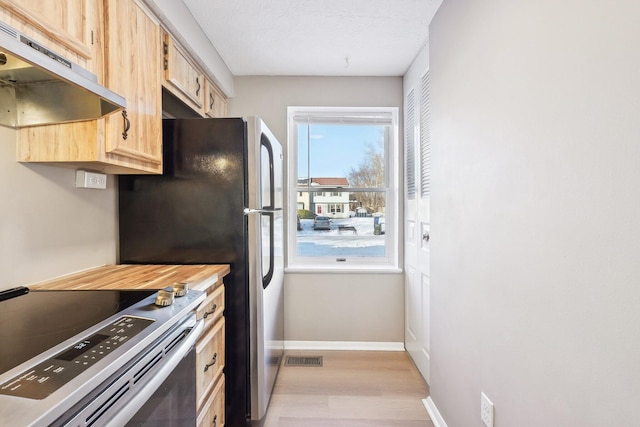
[(336, 242)]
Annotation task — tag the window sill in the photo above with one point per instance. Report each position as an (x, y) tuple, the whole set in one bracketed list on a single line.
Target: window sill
[(355, 269)]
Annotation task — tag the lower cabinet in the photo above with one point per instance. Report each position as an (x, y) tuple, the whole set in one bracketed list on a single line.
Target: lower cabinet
[(211, 413), (210, 360)]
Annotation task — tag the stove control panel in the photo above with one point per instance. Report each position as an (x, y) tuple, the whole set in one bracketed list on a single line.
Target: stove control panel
[(48, 376)]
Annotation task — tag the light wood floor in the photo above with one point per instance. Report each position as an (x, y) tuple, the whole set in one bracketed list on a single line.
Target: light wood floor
[(351, 389)]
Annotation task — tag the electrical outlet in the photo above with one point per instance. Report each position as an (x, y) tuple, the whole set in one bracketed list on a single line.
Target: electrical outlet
[(86, 179), (486, 410)]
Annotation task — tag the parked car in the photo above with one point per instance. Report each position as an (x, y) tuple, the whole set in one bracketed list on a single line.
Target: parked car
[(321, 223), (362, 212)]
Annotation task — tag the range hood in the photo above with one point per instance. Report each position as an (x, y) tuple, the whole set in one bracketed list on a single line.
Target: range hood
[(38, 86)]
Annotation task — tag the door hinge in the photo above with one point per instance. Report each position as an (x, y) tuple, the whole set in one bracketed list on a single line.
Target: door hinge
[(165, 50)]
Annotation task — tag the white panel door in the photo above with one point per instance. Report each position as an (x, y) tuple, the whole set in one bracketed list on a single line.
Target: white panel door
[(417, 225)]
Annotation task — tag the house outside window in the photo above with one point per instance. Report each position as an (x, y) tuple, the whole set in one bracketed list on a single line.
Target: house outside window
[(343, 164), (325, 202)]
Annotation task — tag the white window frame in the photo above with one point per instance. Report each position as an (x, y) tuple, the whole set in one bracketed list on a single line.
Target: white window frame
[(391, 261)]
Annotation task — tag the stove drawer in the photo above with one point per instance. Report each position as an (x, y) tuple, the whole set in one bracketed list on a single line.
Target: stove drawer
[(209, 360)]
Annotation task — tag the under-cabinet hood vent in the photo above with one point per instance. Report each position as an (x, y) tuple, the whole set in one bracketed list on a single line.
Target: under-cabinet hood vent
[(39, 87)]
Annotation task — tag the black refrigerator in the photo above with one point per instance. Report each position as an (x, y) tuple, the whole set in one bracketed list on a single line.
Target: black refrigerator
[(220, 201)]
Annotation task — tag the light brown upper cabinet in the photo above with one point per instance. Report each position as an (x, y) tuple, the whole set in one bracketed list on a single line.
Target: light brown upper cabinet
[(215, 103), (123, 44), (123, 142), (70, 28), (184, 79), (134, 58), (181, 76)]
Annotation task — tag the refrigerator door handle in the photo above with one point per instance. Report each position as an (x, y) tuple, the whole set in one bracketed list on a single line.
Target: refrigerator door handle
[(248, 211)]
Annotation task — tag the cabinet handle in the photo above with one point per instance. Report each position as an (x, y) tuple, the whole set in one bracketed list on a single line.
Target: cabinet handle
[(211, 100), (215, 420), (213, 310), (198, 89), (213, 362), (426, 237), (127, 124)]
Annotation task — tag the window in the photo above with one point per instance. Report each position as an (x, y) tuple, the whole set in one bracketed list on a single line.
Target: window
[(335, 208), (343, 162)]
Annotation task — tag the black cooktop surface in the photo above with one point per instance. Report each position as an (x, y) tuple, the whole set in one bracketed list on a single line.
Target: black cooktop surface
[(33, 323)]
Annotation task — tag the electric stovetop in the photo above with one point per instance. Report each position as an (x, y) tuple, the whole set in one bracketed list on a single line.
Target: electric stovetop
[(32, 322)]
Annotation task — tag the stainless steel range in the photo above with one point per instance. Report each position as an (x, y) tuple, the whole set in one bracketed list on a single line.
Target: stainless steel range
[(94, 358)]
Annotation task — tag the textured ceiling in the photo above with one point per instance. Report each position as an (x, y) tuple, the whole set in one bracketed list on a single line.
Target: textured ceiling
[(316, 37)]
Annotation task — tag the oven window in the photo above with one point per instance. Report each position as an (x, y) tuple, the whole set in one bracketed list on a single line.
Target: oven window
[(174, 403)]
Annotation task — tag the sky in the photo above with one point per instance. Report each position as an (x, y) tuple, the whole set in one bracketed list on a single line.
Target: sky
[(335, 149)]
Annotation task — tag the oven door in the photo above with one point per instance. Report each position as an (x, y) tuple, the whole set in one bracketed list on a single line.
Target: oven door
[(157, 389), (173, 404)]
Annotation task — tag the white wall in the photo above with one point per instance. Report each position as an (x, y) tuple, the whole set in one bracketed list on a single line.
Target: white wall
[(329, 307), (344, 308), (49, 228), (535, 279)]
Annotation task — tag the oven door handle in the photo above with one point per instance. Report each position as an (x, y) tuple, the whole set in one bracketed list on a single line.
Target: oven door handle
[(138, 401)]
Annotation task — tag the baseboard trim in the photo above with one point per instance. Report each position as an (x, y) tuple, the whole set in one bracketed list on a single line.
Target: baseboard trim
[(436, 418), (344, 345)]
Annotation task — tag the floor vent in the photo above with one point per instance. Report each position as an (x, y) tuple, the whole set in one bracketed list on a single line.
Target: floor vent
[(315, 361)]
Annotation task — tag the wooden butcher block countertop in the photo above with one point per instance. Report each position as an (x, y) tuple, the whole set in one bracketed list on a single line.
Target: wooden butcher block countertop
[(200, 277)]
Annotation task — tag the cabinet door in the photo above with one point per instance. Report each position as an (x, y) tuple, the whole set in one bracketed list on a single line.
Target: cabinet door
[(134, 58), (210, 360), (181, 76), (212, 412), (215, 103), (71, 28)]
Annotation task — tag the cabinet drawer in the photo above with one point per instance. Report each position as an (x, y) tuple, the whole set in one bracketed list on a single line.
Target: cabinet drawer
[(212, 308), (209, 360), (212, 412)]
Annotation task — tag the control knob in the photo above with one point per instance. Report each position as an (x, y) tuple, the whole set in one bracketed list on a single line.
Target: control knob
[(164, 297), (180, 289)]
